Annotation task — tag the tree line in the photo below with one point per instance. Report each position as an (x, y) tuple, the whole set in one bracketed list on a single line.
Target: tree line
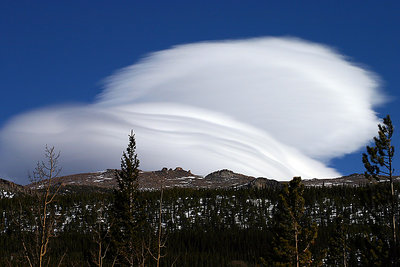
[(289, 226)]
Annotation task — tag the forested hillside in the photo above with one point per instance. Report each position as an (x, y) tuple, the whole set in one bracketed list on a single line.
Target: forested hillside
[(204, 227)]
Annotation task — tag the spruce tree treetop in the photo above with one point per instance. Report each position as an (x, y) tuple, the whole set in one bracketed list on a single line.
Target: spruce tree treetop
[(127, 177), (379, 158), (128, 211)]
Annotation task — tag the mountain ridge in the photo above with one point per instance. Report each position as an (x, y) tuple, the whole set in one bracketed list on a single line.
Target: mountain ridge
[(178, 177)]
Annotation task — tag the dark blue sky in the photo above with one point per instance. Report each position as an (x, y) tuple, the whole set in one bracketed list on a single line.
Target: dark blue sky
[(57, 52)]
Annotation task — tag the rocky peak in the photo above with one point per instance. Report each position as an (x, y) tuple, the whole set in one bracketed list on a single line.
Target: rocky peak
[(261, 182), (222, 174)]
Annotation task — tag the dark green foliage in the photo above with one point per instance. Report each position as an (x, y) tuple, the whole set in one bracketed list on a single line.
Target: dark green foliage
[(128, 211), (209, 227), (378, 160), (339, 249), (381, 155), (294, 233)]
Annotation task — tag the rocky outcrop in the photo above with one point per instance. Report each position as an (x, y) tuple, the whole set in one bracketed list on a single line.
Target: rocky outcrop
[(226, 178), (261, 183)]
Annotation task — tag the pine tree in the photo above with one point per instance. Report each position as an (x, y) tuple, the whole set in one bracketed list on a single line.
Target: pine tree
[(378, 160), (339, 248), (129, 215), (293, 230)]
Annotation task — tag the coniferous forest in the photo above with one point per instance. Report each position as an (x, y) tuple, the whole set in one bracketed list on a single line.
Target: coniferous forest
[(207, 227), (288, 225)]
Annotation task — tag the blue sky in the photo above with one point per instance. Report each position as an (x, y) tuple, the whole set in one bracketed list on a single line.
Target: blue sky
[(60, 52)]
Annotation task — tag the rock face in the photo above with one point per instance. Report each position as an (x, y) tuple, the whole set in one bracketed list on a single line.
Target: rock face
[(226, 178), (171, 174), (224, 175), (261, 183)]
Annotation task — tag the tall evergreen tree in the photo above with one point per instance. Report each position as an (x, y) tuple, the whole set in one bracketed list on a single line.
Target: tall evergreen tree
[(129, 215), (339, 248), (293, 230), (378, 160)]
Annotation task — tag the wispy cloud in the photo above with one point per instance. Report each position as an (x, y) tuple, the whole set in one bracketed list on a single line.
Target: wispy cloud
[(274, 107)]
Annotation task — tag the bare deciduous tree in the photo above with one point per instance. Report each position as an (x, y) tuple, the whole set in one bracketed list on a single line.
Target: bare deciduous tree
[(44, 215)]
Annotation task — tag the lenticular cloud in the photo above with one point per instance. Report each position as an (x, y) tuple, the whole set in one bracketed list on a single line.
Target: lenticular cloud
[(272, 107)]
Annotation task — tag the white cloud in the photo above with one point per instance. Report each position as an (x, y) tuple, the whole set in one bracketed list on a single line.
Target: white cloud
[(271, 107)]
